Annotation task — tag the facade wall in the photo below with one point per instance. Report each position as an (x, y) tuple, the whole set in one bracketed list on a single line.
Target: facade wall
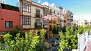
[(8, 15), (33, 15), (33, 10), (25, 11)]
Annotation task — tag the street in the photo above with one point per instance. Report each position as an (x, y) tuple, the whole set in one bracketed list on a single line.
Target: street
[(52, 48)]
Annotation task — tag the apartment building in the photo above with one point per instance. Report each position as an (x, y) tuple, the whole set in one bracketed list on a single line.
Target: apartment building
[(36, 15), (66, 18), (45, 13), (9, 17), (25, 12), (31, 14), (69, 18), (52, 19), (82, 22), (61, 17)]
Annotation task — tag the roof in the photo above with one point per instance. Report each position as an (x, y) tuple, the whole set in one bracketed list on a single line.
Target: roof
[(9, 7)]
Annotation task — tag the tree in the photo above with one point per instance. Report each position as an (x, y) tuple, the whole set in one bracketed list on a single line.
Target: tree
[(29, 43), (15, 31), (69, 40)]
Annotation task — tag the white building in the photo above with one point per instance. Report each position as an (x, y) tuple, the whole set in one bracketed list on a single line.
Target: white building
[(53, 8), (81, 22), (2, 1)]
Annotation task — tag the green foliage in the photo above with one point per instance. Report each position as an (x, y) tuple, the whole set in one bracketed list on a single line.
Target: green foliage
[(28, 43), (15, 31), (36, 26), (55, 30), (63, 29), (69, 39)]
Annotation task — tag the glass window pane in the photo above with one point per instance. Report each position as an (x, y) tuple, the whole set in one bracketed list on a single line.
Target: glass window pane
[(10, 24), (7, 24)]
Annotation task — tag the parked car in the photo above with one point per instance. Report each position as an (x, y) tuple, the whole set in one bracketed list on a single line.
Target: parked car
[(54, 42)]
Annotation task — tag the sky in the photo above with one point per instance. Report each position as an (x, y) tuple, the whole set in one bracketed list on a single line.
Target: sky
[(81, 9)]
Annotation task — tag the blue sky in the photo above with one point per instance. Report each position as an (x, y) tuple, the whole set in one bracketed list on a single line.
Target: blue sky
[(81, 9)]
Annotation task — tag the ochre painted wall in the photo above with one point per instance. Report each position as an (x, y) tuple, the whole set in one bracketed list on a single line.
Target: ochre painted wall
[(8, 15)]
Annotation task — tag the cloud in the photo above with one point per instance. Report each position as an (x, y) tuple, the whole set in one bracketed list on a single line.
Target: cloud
[(39, 1), (45, 3), (83, 16), (52, 4)]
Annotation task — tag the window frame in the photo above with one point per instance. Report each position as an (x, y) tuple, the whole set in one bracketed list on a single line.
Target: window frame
[(26, 7), (37, 10), (26, 20), (10, 22)]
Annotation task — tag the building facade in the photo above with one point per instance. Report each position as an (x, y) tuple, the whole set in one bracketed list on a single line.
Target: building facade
[(9, 17), (51, 19), (66, 18), (69, 18), (61, 17), (31, 14), (36, 15), (25, 12)]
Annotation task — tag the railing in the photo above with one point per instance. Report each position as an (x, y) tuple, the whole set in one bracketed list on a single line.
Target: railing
[(38, 24), (82, 41), (38, 15)]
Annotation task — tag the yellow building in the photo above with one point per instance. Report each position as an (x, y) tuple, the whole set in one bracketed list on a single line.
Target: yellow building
[(53, 22)]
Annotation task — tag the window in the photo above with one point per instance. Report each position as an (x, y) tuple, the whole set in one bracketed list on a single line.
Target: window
[(45, 12), (26, 20), (26, 7), (8, 24), (37, 13), (50, 11)]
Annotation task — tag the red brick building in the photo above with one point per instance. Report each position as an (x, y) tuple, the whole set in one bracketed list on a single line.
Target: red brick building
[(9, 17)]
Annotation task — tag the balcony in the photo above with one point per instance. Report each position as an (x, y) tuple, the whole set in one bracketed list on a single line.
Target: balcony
[(38, 15), (38, 24), (70, 17), (70, 20), (45, 22)]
